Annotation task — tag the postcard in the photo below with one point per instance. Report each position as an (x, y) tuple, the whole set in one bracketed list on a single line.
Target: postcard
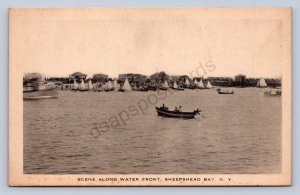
[(150, 96)]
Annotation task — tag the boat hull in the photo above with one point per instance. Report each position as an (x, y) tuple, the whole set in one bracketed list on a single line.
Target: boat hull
[(41, 94), (173, 114), (225, 93)]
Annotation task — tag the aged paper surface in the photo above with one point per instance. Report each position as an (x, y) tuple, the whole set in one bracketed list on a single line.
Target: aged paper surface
[(150, 97)]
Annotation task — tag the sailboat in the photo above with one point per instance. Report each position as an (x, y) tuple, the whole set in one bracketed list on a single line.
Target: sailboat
[(75, 86), (164, 86), (262, 83), (189, 85), (176, 87), (126, 86), (208, 86), (90, 86), (82, 86), (116, 85), (200, 84), (109, 87), (187, 82)]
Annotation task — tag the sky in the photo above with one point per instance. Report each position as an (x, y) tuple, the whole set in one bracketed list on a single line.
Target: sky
[(194, 42)]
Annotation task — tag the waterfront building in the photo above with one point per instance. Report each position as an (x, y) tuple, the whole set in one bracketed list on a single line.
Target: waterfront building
[(100, 78), (133, 78), (78, 76)]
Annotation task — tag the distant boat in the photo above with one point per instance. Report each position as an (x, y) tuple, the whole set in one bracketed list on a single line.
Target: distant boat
[(273, 92), (200, 84), (116, 85), (176, 87), (90, 86), (82, 86), (140, 88), (176, 114), (164, 86), (187, 82), (108, 87), (126, 86), (75, 86), (262, 83), (225, 92), (209, 86)]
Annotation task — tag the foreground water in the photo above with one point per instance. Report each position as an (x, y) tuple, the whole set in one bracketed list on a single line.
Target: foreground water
[(238, 133)]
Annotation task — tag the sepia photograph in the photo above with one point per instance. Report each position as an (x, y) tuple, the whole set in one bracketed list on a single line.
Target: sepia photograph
[(149, 96)]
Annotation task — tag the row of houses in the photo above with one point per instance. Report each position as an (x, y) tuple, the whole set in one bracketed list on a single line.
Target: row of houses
[(160, 77)]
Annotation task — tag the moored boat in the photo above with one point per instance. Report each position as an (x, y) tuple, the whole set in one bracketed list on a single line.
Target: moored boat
[(82, 86), (75, 86), (90, 85), (208, 85), (225, 92), (164, 112), (273, 92), (262, 83), (176, 87), (126, 86), (108, 87)]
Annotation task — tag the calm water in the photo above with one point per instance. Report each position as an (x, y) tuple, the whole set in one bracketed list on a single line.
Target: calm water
[(238, 133)]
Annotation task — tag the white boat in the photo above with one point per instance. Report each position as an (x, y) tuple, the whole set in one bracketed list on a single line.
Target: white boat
[(116, 85), (175, 86), (200, 84), (90, 85), (108, 86), (165, 85), (75, 85), (196, 82), (262, 83), (187, 82), (82, 86), (209, 86), (126, 86)]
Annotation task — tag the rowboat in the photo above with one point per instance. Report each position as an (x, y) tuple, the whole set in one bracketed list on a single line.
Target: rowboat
[(176, 114), (225, 92)]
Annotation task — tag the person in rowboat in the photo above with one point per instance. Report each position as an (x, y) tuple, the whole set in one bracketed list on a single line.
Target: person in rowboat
[(164, 107), (179, 109)]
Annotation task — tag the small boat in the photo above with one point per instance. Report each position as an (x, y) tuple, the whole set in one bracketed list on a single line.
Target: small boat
[(200, 84), (90, 86), (126, 86), (75, 86), (176, 114), (273, 93), (225, 92), (140, 88), (176, 87), (108, 87), (208, 85), (262, 83), (116, 86), (82, 86), (164, 86)]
